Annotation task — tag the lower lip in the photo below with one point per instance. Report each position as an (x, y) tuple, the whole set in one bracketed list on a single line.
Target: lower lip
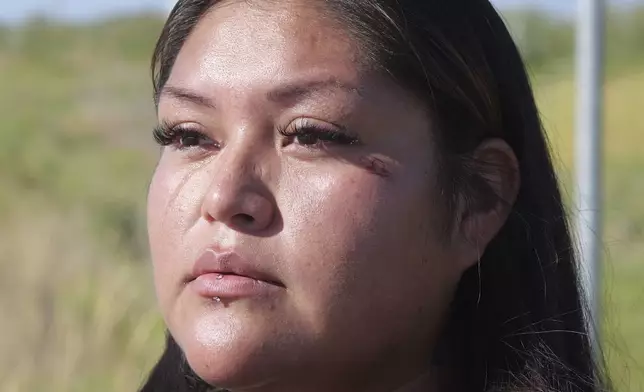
[(231, 286)]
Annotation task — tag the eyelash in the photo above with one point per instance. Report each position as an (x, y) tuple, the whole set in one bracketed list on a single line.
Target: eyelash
[(168, 135), (324, 135)]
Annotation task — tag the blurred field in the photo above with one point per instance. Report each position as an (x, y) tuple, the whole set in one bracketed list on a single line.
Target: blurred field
[(77, 309), (623, 316), (77, 306)]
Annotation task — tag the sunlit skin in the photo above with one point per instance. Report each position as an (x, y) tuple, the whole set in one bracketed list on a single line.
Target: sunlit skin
[(350, 226)]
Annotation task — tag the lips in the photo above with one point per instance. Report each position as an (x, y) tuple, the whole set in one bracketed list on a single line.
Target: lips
[(226, 275)]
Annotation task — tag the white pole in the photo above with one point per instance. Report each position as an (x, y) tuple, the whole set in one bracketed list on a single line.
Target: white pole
[(588, 163)]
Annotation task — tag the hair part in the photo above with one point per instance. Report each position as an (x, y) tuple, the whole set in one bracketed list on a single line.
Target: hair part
[(517, 321)]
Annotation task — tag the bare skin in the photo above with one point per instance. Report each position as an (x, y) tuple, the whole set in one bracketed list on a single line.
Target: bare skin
[(348, 228)]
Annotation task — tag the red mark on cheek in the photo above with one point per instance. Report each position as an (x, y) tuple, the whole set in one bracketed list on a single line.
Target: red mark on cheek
[(376, 166)]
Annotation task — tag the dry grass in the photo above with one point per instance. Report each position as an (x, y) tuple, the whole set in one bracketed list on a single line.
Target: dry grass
[(76, 317)]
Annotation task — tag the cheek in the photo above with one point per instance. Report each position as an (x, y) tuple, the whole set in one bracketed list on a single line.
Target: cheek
[(362, 244), (329, 210), (173, 206)]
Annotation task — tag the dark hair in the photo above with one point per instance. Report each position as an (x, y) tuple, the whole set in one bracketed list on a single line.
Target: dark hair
[(517, 321)]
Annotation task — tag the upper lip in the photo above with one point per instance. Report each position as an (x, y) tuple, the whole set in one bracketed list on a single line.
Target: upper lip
[(212, 261)]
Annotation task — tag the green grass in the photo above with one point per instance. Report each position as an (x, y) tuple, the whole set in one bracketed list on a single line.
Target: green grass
[(77, 309), (623, 267), (77, 303)]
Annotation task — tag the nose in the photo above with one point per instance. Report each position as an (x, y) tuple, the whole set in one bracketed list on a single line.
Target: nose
[(237, 196)]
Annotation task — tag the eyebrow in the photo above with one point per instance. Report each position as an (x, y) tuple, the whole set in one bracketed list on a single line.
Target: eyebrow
[(300, 90), (290, 92), (183, 94)]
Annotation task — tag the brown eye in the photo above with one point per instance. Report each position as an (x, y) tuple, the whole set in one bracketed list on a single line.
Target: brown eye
[(307, 139), (191, 139), (182, 138), (312, 136)]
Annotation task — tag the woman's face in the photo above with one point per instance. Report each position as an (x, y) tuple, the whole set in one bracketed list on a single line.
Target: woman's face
[(294, 220)]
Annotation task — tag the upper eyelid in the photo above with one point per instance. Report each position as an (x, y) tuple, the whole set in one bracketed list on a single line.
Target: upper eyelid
[(187, 127), (309, 122), (307, 127), (298, 124), (190, 125)]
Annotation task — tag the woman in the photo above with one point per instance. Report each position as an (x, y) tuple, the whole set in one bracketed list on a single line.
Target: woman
[(356, 195)]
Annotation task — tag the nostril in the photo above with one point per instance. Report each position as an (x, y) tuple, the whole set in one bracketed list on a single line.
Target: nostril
[(245, 219)]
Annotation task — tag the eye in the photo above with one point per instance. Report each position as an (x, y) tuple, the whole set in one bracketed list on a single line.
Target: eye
[(306, 137), (191, 138), (182, 137), (313, 135)]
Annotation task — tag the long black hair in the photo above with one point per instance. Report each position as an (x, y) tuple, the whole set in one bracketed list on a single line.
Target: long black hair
[(517, 321)]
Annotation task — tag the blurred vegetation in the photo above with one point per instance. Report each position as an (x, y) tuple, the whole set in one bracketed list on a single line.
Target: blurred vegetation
[(77, 305), (77, 309), (548, 42)]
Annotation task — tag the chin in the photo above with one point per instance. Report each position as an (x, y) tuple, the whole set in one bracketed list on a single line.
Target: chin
[(230, 355), (225, 371)]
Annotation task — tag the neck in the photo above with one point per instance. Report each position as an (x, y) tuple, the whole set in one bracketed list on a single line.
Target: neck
[(434, 380)]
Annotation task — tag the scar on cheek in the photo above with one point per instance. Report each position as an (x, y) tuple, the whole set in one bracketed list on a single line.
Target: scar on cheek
[(375, 166)]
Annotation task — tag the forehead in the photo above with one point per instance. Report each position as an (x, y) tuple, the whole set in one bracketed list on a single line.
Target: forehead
[(242, 44)]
